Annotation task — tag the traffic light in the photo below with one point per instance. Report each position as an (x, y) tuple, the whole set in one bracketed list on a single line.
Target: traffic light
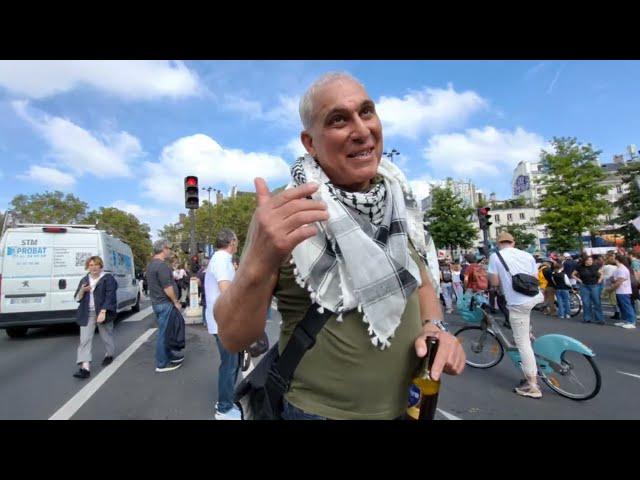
[(483, 218), (191, 192)]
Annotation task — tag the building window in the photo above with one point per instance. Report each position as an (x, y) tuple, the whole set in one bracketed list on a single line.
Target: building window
[(497, 217), (539, 190), (521, 216), (509, 217), (619, 188)]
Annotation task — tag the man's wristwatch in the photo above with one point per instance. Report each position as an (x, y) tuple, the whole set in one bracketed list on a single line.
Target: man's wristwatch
[(438, 323)]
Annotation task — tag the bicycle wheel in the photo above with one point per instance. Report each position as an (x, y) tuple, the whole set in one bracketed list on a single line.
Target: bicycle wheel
[(577, 378), (482, 348), (575, 303)]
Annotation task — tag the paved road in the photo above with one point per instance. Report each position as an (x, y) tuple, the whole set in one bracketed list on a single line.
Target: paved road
[(36, 381), (487, 394)]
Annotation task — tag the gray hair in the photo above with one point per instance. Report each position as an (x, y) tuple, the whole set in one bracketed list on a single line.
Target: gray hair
[(306, 102), (225, 237), (159, 246)]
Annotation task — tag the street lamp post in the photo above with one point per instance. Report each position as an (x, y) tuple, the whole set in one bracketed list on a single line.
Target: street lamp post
[(390, 154), (208, 189)]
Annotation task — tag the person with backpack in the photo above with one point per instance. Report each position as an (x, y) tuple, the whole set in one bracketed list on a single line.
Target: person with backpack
[(562, 286), (446, 284), (544, 277), (505, 267), (476, 279), (343, 245)]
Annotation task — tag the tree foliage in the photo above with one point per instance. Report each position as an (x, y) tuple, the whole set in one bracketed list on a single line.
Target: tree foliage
[(450, 220), (522, 237), (127, 228), (234, 213), (573, 200), (49, 207)]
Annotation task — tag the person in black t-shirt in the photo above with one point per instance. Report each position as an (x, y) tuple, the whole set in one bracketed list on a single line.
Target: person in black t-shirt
[(589, 277)]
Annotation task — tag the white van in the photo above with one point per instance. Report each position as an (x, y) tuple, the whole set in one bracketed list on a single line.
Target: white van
[(41, 266)]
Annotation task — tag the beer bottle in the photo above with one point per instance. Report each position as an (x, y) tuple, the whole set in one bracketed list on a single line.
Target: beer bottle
[(423, 393)]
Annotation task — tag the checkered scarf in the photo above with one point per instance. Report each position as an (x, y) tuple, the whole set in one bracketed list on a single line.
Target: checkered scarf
[(359, 258)]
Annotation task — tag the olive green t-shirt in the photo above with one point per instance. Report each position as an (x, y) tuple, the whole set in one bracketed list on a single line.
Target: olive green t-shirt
[(344, 376)]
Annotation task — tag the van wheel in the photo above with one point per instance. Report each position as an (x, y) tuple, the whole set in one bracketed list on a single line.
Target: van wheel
[(136, 307), (17, 332)]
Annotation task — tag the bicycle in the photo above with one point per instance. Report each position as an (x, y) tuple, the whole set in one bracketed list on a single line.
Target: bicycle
[(564, 363), (575, 303)]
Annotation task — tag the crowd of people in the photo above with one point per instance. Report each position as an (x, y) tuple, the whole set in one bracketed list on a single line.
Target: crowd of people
[(613, 277)]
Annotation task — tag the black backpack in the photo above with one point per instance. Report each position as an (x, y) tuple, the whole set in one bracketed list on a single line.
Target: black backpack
[(260, 395), (446, 275)]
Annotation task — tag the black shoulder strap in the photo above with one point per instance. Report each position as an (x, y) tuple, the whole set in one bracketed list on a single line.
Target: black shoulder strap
[(302, 339), (502, 260)]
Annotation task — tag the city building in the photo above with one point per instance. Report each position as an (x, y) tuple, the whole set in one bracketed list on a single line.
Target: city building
[(463, 189), (524, 181)]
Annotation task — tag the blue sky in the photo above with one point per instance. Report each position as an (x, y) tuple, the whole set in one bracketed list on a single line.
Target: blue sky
[(125, 133)]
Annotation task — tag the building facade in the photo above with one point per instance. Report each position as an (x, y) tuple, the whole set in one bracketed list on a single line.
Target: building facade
[(524, 181)]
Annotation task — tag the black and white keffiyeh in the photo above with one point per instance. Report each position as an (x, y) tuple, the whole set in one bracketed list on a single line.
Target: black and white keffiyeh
[(359, 258)]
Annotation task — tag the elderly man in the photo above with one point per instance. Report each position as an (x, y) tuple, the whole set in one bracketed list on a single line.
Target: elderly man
[(360, 211)]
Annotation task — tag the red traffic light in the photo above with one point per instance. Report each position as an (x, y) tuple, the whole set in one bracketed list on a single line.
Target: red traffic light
[(191, 181)]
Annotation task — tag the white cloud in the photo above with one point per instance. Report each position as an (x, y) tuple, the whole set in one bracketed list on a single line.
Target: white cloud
[(430, 110), (483, 152), (535, 69), (50, 177), (156, 218), (137, 210), (294, 149), (129, 79), (555, 79), (284, 113), (79, 150), (202, 156), (421, 187)]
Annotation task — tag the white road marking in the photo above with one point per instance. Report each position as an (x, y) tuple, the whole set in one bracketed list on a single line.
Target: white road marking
[(630, 374), (447, 415), (72, 406), (141, 315)]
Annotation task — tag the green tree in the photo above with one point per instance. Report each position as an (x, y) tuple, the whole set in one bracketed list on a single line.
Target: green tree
[(49, 207), (127, 228), (629, 204), (522, 237), (172, 232), (449, 220), (234, 213), (573, 200)]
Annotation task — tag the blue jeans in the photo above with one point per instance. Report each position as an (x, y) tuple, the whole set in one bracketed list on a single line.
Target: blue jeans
[(227, 375), (163, 354), (291, 412), (627, 312), (590, 295), (564, 307)]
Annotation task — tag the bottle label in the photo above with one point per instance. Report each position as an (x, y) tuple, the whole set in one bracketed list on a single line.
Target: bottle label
[(414, 396)]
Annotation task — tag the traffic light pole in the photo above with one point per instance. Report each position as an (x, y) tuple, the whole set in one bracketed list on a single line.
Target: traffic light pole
[(485, 241), (192, 233)]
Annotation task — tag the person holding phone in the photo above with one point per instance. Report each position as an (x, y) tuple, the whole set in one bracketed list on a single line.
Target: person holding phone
[(96, 294)]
